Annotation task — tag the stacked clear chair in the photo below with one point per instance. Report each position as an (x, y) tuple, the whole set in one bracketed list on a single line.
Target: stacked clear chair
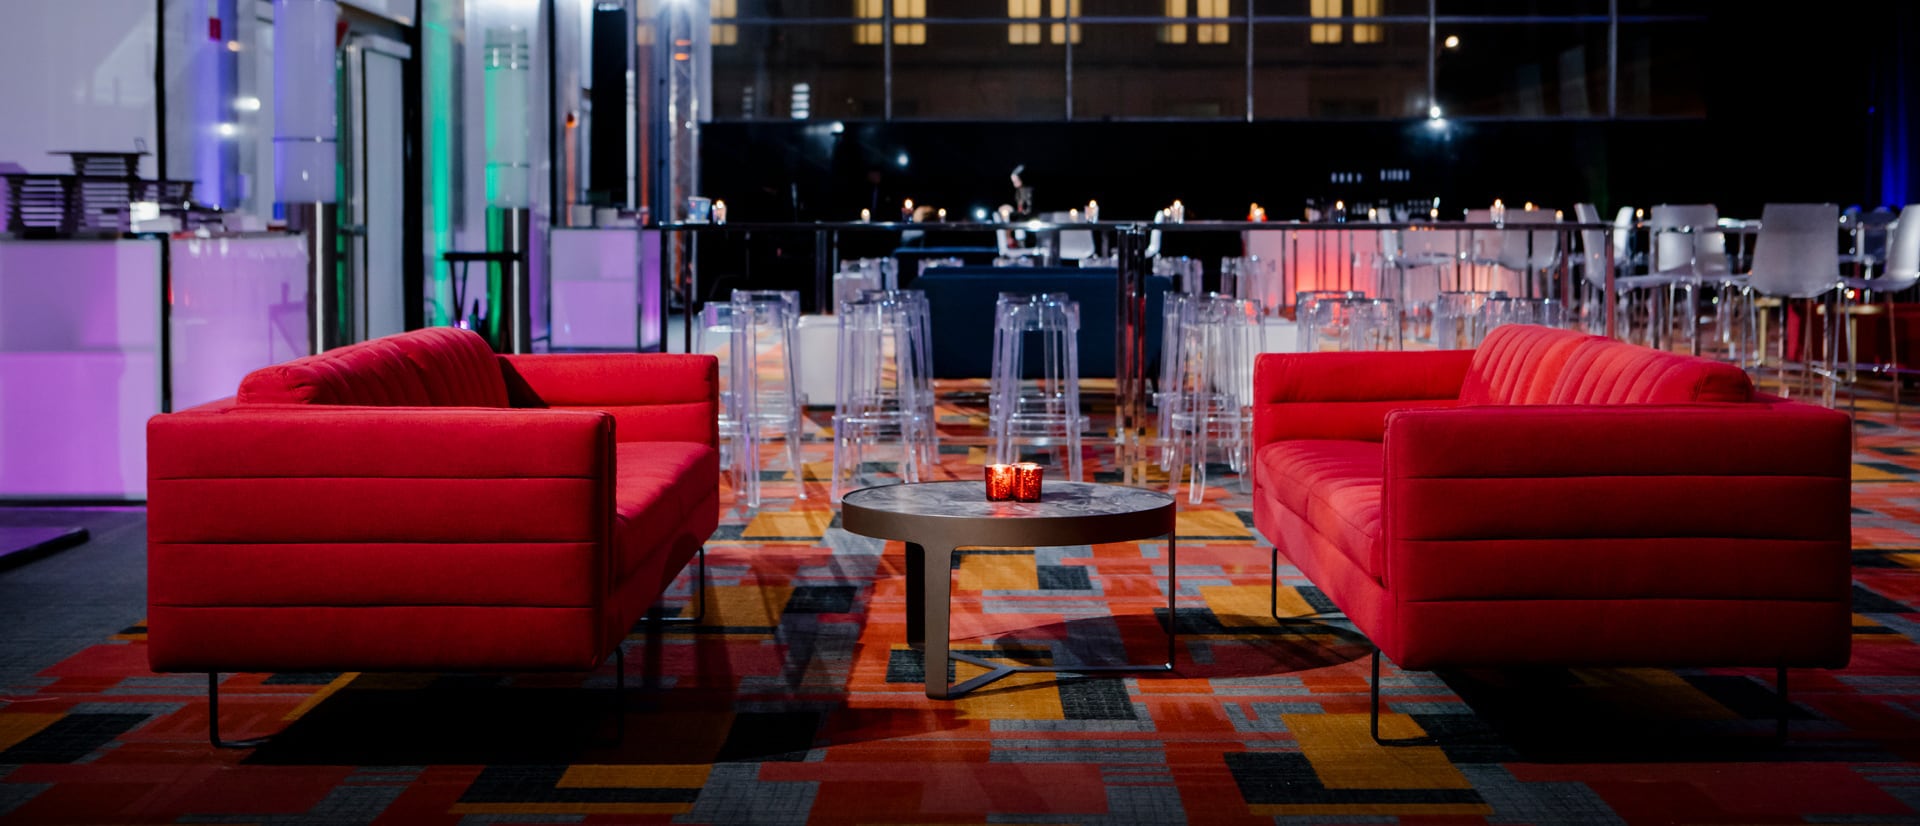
[(1354, 324), (884, 386), (1206, 393), (762, 401), (1501, 308), (1303, 302), (1035, 390), (859, 275), (1458, 318), (1255, 278)]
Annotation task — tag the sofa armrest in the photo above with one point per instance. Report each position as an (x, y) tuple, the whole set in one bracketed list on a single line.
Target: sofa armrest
[(1348, 395), (274, 505), (654, 397), (1737, 501)]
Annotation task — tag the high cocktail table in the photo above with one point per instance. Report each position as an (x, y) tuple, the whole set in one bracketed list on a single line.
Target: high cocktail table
[(935, 518)]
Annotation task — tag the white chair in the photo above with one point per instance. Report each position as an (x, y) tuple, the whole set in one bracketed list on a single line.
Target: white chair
[(1901, 271), (1593, 269), (1690, 251), (1796, 258)]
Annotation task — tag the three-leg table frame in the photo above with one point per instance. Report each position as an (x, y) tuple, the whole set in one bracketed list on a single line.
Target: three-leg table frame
[(930, 627)]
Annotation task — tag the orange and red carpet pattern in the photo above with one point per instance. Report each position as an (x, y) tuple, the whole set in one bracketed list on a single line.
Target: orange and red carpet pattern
[(796, 702)]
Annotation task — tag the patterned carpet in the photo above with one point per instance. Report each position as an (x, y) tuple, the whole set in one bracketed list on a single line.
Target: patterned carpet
[(797, 703)]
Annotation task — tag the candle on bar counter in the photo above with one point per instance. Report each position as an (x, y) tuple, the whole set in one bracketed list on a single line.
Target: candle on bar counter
[(1073, 215), (906, 210), (719, 212), (1177, 213), (866, 215), (1000, 483), (1529, 207), (943, 214), (1093, 210), (1026, 483)]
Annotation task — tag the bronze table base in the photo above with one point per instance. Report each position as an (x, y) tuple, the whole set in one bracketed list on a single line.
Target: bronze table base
[(937, 518)]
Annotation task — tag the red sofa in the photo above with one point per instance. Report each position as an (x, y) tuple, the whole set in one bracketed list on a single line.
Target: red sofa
[(419, 503), (1558, 499)]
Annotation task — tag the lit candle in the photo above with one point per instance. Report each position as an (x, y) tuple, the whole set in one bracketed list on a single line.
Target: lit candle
[(1557, 215), (719, 212), (1177, 213), (1093, 210), (1433, 214), (1529, 207), (1000, 483), (866, 215), (1073, 215), (1026, 486), (943, 213), (1371, 213)]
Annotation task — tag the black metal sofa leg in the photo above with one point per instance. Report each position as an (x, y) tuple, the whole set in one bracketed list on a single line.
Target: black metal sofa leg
[(1373, 712), (213, 719), (699, 590)]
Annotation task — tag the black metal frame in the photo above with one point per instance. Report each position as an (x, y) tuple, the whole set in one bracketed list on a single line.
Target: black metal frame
[(619, 675), (1782, 709), (700, 594)]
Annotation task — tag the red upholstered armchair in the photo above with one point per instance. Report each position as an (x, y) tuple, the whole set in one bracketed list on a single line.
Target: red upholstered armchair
[(418, 503), (1559, 499)]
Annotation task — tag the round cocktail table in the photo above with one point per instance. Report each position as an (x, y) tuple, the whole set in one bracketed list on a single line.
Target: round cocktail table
[(935, 518)]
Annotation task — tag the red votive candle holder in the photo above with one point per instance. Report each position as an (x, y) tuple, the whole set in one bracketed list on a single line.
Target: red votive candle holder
[(1001, 483), (1026, 482)]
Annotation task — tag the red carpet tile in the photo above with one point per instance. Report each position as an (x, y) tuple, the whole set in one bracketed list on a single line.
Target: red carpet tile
[(796, 702)]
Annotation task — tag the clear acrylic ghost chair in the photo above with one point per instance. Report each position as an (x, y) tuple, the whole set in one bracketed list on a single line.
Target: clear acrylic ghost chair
[(721, 333), (1504, 309), (1355, 324), (910, 311), (1457, 318), (1043, 410), (1410, 251), (770, 322), (1255, 279), (878, 387), (1303, 302), (1208, 407)]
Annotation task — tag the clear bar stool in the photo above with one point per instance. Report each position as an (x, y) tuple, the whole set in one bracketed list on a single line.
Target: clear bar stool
[(1303, 302), (1209, 401), (1457, 318), (769, 322), (1355, 324), (879, 387), (1045, 410), (1188, 273), (917, 315), (721, 333), (1504, 309), (1255, 278)]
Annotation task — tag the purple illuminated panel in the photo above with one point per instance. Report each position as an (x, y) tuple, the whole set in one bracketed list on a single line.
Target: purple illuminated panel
[(79, 325), (598, 279), (239, 304)]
